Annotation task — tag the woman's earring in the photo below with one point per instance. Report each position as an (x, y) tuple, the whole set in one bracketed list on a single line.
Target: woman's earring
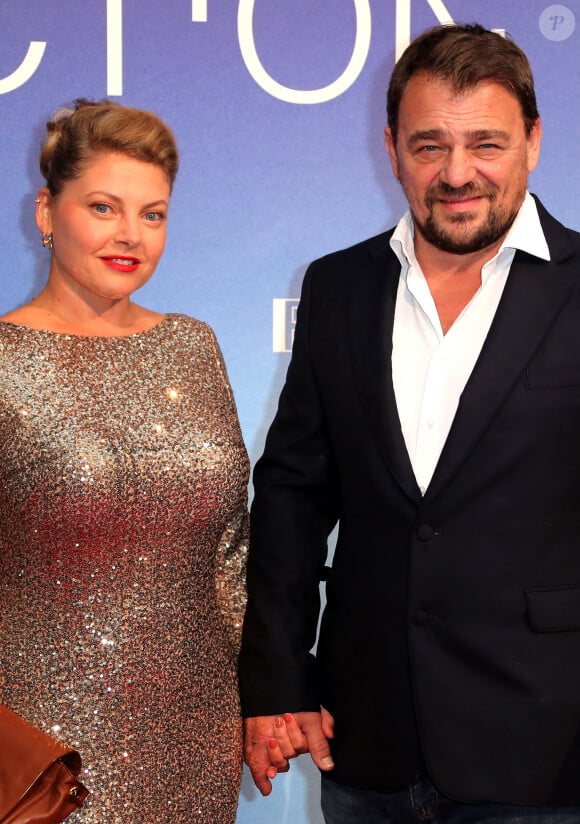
[(47, 241)]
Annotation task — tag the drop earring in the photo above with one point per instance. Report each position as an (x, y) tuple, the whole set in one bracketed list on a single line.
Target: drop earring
[(47, 241)]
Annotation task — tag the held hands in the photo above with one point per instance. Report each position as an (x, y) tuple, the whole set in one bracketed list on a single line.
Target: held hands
[(271, 740)]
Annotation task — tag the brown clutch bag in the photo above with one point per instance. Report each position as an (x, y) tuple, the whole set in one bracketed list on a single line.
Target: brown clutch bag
[(38, 774)]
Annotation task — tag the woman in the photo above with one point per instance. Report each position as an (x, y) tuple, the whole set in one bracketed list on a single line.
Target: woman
[(122, 494)]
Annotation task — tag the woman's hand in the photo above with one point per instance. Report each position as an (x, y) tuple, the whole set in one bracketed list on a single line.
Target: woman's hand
[(272, 740)]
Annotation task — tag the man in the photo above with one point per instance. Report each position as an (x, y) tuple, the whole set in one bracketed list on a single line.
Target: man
[(432, 408)]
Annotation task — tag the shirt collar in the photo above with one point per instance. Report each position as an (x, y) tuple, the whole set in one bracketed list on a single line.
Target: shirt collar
[(525, 234)]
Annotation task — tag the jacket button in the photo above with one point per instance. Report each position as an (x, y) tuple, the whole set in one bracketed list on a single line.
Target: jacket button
[(425, 532), (421, 618)]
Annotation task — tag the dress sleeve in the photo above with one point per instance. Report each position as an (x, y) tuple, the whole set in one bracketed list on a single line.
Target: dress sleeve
[(232, 548), (231, 573)]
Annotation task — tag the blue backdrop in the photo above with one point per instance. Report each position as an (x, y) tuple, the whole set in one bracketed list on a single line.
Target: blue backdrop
[(278, 109)]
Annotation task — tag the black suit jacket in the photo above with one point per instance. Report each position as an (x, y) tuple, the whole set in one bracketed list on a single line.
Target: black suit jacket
[(452, 625)]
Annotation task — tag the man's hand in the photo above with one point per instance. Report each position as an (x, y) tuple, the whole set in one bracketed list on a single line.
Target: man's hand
[(271, 740)]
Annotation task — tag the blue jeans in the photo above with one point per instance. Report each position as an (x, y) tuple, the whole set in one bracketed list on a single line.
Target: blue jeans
[(422, 802)]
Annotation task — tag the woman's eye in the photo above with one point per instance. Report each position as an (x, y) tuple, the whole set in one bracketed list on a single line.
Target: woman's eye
[(154, 216), (101, 208)]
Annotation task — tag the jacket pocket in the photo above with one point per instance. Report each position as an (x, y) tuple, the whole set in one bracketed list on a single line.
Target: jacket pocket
[(554, 610)]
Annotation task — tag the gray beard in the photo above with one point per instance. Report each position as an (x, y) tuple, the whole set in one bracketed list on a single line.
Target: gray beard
[(495, 228)]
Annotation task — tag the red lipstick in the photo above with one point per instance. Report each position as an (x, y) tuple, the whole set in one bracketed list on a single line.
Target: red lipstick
[(121, 263)]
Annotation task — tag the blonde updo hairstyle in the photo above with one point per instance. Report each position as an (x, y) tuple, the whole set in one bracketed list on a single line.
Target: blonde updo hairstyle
[(76, 135)]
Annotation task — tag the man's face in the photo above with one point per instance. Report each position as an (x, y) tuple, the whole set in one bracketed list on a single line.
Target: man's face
[(463, 161)]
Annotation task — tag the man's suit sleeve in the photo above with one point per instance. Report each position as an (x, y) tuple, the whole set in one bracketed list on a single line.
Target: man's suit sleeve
[(293, 511)]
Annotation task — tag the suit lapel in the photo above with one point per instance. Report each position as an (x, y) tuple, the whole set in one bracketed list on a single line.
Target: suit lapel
[(371, 332), (535, 292)]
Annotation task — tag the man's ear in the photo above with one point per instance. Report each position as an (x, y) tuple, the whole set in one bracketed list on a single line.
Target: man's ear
[(392, 151), (534, 141)]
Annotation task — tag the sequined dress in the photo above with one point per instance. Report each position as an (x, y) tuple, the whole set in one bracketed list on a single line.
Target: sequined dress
[(123, 534)]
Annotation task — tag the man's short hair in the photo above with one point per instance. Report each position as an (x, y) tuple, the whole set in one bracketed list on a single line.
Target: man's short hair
[(463, 56)]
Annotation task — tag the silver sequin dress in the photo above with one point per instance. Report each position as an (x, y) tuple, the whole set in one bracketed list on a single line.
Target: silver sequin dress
[(123, 530)]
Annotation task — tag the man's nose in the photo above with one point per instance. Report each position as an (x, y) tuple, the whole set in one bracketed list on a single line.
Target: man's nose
[(458, 168)]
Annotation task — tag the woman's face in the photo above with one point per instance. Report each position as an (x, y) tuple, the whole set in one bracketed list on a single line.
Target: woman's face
[(108, 226)]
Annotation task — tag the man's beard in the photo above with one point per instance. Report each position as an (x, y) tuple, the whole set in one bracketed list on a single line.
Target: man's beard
[(494, 229)]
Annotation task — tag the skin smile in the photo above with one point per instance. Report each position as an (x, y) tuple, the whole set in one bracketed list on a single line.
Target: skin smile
[(109, 226), (465, 204), (467, 198), (122, 264), (463, 160)]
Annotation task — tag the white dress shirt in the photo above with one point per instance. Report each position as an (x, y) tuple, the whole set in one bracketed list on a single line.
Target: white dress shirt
[(430, 369)]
